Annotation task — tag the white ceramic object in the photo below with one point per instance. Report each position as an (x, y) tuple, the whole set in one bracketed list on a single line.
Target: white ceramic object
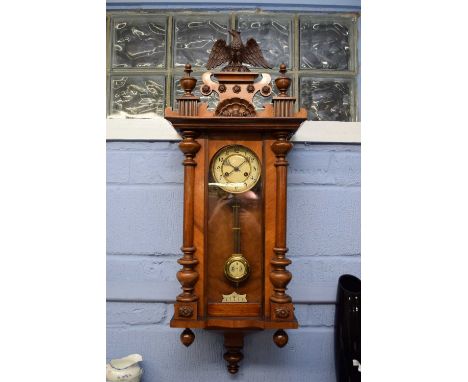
[(124, 369), (357, 363)]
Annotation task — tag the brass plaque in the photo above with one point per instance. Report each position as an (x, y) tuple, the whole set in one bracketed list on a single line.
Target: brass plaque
[(234, 297)]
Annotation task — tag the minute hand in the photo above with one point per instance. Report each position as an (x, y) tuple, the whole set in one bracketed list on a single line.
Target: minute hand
[(238, 166)]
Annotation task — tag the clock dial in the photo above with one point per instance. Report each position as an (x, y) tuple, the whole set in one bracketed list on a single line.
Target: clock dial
[(236, 268), (235, 169)]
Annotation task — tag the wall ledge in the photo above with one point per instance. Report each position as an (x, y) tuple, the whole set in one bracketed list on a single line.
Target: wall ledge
[(160, 129)]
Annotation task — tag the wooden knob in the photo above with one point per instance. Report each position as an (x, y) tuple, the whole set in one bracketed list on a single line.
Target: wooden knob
[(188, 69), (282, 82), (283, 69), (280, 338), (187, 337)]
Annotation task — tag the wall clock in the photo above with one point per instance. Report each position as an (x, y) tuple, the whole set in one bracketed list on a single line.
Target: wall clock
[(234, 272)]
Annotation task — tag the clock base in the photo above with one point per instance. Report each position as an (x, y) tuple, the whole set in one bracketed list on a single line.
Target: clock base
[(240, 323)]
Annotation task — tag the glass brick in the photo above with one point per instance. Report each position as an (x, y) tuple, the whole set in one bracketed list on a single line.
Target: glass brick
[(273, 35), (139, 42), (194, 38), (137, 96), (324, 44), (326, 99)]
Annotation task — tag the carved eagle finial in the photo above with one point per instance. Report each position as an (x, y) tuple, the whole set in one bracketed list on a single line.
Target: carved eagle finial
[(235, 54)]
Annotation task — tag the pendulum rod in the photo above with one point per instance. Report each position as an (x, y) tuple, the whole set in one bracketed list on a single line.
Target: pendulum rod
[(236, 226)]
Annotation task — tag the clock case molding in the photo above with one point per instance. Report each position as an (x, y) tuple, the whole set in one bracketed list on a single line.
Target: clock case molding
[(267, 132)]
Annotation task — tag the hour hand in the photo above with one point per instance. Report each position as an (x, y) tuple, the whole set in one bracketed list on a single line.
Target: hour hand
[(228, 162)]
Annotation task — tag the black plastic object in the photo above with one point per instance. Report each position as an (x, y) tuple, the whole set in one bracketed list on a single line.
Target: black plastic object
[(348, 329)]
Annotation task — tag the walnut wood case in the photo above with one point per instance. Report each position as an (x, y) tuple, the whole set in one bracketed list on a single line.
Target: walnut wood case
[(208, 210)]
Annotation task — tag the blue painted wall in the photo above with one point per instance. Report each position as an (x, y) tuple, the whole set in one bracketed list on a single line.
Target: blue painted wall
[(144, 220), (144, 224)]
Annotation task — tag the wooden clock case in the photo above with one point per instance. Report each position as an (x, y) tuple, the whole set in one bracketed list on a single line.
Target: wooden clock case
[(205, 236)]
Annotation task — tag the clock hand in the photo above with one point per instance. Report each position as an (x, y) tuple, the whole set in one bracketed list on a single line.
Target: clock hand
[(227, 161), (235, 168), (245, 160), (229, 173), (238, 166)]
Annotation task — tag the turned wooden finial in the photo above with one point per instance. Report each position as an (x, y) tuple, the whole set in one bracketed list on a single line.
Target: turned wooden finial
[(280, 338), (233, 342), (187, 82), (187, 337), (283, 83)]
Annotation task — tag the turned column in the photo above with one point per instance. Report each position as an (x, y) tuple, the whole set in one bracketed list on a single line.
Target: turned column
[(280, 276), (188, 276), (186, 306)]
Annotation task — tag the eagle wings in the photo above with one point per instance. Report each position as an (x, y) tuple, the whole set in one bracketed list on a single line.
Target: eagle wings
[(248, 54)]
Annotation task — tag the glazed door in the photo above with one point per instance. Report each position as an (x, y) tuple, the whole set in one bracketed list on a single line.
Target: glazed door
[(235, 242)]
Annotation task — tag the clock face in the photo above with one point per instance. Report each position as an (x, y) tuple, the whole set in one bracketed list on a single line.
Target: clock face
[(235, 169), (236, 268)]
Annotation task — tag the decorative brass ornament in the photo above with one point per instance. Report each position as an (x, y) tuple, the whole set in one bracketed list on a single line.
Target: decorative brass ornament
[(234, 297)]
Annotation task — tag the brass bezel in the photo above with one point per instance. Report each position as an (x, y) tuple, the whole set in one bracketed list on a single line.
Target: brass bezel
[(228, 189), (243, 260)]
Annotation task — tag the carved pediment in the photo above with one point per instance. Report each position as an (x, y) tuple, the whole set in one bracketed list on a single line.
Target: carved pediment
[(236, 91)]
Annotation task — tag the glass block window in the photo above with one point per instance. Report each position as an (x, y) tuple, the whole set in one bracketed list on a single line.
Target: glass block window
[(147, 52), (326, 99), (139, 42), (194, 37), (273, 34), (324, 44), (139, 95)]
